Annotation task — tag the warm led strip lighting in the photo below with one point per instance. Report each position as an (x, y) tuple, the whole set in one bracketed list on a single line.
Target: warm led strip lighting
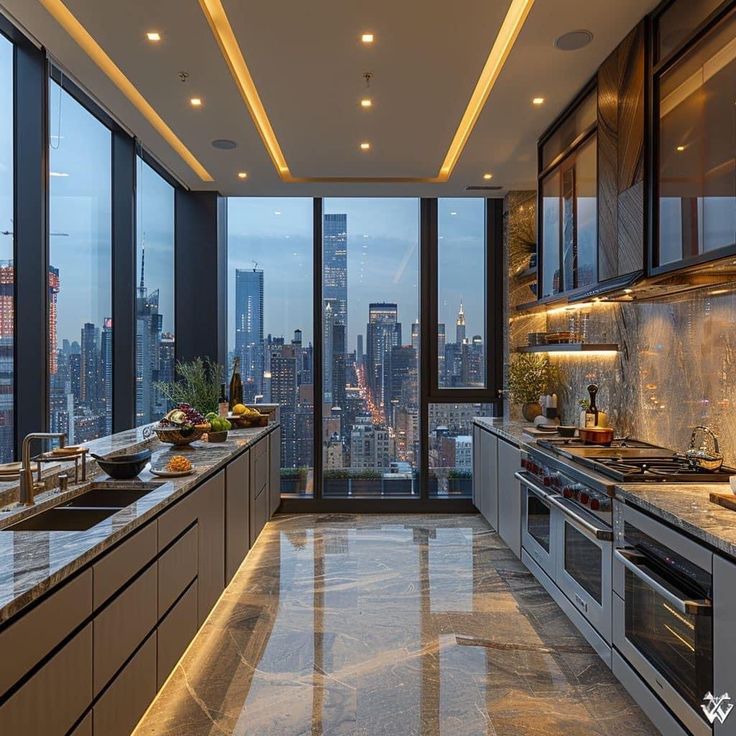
[(79, 33), (225, 36)]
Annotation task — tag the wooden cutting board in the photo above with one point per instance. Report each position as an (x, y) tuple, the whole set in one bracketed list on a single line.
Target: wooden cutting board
[(725, 499)]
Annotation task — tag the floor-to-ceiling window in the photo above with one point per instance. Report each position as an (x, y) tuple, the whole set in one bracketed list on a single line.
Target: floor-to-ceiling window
[(270, 249), (370, 347), (7, 267), (79, 279), (154, 291)]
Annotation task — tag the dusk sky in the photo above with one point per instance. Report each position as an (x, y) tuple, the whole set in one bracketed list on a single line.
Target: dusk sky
[(6, 149)]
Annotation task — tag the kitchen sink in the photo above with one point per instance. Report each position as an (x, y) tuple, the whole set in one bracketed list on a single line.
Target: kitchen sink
[(62, 519), (103, 496)]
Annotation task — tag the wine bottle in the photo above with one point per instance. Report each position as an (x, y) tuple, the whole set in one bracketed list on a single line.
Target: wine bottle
[(236, 385), (591, 413), (222, 405)]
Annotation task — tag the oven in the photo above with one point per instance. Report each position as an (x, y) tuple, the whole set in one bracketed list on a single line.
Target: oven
[(572, 545), (663, 612)]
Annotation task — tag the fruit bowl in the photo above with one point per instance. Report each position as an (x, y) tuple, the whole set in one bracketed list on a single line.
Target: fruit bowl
[(176, 435)]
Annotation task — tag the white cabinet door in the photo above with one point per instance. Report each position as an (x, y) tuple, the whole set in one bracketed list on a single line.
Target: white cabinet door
[(509, 496), (488, 460), (478, 467)]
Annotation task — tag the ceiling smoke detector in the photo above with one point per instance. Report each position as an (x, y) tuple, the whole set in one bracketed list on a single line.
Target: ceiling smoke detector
[(224, 144), (573, 40)]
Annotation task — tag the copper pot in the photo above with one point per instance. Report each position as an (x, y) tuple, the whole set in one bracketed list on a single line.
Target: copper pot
[(596, 435)]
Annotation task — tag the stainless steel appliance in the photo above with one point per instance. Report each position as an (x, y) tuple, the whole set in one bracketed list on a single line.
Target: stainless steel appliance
[(663, 612)]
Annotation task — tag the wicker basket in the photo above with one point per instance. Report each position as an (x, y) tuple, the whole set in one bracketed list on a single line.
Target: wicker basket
[(175, 435)]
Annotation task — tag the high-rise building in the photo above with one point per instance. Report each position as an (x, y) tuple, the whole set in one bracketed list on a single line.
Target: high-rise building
[(335, 266), (383, 333), (249, 345), (441, 363), (89, 377), (106, 372), (460, 326), (415, 336), (371, 445)]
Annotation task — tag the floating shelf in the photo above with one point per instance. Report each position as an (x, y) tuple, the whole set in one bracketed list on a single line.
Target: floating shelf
[(526, 276), (570, 347)]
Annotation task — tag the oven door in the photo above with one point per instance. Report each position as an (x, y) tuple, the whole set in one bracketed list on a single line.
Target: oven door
[(539, 519), (663, 614), (584, 565)]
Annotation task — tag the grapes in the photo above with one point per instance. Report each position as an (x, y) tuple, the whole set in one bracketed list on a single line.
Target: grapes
[(193, 417)]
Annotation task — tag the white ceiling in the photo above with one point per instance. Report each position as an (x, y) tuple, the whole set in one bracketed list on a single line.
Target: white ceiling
[(307, 62)]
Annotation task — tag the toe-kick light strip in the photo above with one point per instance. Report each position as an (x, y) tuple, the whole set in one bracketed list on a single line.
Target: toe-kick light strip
[(87, 43), (230, 48)]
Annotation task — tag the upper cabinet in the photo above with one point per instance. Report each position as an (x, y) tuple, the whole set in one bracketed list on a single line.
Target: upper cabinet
[(694, 88), (621, 159)]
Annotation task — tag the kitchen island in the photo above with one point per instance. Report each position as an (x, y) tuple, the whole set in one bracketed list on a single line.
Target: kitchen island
[(93, 621)]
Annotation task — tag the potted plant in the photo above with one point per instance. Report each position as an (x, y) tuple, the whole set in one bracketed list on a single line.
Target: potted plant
[(197, 384), (530, 376), (336, 482), (459, 482)]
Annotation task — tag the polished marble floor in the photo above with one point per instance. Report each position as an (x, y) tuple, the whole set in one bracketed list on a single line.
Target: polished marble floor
[(407, 625)]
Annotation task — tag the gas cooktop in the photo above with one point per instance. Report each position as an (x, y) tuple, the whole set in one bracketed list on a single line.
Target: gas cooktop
[(629, 460)]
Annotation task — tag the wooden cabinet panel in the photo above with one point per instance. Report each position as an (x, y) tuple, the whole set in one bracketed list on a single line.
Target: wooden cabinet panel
[(259, 468), (509, 496), (85, 726), (123, 563), (177, 567), (27, 641), (621, 158), (122, 625), (258, 515), (176, 519), (175, 632), (120, 707), (237, 508), (211, 579), (274, 482), (56, 696)]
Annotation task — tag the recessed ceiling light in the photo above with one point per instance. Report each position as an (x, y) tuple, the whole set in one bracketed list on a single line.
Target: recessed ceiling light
[(680, 148), (242, 175), (196, 102), (153, 36), (538, 101), (574, 40), (367, 38), (224, 144), (58, 173), (487, 176), (366, 102), (365, 146)]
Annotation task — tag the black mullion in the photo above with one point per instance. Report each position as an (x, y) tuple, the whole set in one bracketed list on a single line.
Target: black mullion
[(317, 378), (427, 331), (494, 302), (123, 281), (30, 240)]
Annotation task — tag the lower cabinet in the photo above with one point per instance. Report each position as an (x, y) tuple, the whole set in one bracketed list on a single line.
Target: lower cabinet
[(509, 496), (175, 632), (274, 454), (237, 513), (123, 703), (260, 472)]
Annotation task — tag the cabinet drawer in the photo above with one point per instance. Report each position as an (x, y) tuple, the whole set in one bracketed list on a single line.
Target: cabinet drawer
[(85, 727), (124, 702), (52, 700), (258, 515), (237, 502), (274, 480), (175, 632), (27, 641), (176, 519), (123, 563), (122, 625), (259, 469), (177, 567)]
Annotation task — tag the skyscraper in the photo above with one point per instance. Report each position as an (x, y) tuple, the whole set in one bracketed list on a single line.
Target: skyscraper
[(249, 325), (460, 326), (335, 266), (106, 371), (383, 332)]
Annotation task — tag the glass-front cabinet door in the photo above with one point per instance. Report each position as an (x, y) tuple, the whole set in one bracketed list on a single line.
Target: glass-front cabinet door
[(696, 162)]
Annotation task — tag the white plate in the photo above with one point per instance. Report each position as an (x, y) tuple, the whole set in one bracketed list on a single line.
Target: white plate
[(171, 473)]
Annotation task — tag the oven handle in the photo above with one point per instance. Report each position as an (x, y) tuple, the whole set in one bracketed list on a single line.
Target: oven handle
[(628, 558), (575, 519)]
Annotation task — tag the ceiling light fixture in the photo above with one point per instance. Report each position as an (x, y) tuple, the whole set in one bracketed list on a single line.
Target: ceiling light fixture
[(87, 43), (224, 34), (366, 102), (365, 146), (242, 175), (680, 149), (367, 38), (153, 36), (196, 102), (573, 40), (488, 177), (538, 101)]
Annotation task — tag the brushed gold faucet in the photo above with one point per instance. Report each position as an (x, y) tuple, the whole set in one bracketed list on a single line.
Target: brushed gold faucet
[(28, 487)]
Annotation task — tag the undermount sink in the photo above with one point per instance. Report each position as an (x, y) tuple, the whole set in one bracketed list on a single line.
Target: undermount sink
[(62, 519), (87, 509), (106, 497)]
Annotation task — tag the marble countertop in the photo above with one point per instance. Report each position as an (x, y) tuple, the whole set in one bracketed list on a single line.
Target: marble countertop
[(687, 506), (31, 562), (508, 429)]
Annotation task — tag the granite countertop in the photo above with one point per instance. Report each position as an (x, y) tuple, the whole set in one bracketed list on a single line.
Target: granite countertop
[(31, 562), (508, 429), (687, 506)]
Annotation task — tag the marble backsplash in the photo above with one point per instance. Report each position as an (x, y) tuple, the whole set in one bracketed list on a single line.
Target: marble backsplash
[(676, 362)]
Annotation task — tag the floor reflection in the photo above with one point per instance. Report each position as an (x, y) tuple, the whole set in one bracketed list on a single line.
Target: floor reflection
[(395, 625)]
